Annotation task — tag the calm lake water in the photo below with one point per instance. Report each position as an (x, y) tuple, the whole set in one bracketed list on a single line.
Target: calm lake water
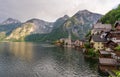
[(20, 59)]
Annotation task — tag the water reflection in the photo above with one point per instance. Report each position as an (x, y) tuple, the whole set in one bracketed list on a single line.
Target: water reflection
[(42, 60), (22, 50)]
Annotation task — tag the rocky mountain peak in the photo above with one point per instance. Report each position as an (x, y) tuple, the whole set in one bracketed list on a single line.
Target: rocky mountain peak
[(66, 16), (83, 12), (10, 21), (35, 20)]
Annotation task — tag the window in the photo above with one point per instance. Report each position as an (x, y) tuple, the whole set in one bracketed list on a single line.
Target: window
[(114, 39)]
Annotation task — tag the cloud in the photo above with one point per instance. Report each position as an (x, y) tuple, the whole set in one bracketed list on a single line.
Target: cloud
[(50, 10)]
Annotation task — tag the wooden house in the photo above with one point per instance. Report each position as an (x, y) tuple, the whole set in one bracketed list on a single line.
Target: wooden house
[(104, 54), (117, 25), (99, 27), (114, 36), (111, 45), (107, 64)]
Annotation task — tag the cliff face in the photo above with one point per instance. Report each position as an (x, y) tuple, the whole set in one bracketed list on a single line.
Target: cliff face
[(81, 22), (20, 32), (41, 27)]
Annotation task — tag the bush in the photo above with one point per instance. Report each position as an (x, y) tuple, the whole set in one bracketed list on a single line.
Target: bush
[(117, 73), (117, 48), (87, 45), (92, 52)]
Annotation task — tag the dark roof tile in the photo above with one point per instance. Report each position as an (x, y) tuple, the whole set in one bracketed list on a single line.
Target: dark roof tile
[(97, 38)]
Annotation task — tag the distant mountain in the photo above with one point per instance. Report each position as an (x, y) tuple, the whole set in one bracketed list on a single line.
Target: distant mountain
[(21, 32), (10, 21), (39, 30), (53, 35), (30, 27), (41, 26), (81, 23), (7, 26), (60, 21), (78, 25)]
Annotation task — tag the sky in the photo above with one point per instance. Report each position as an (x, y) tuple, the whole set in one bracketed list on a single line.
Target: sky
[(50, 10)]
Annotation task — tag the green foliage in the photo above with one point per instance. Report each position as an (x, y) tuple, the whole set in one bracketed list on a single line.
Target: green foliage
[(111, 16), (117, 73), (87, 45), (88, 34), (2, 35), (55, 35), (92, 52), (117, 48)]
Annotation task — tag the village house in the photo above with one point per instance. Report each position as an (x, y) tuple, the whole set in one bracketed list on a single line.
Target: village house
[(97, 42), (107, 64), (78, 43), (114, 35), (117, 25), (99, 27), (105, 54), (109, 60), (68, 41), (110, 45)]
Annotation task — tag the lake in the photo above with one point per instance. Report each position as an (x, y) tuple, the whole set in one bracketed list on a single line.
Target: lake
[(27, 59)]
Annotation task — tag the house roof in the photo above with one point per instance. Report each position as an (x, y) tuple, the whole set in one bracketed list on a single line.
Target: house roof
[(113, 34), (102, 26), (97, 38), (107, 61), (104, 52), (101, 29), (116, 23), (112, 43)]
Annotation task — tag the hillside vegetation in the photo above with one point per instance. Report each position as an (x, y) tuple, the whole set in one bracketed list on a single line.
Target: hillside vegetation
[(111, 16)]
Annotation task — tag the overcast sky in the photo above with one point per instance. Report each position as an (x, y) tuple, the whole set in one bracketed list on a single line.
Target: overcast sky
[(50, 10)]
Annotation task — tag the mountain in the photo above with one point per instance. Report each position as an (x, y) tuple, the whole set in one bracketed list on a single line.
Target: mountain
[(20, 32), (77, 25), (10, 21), (111, 16), (39, 30), (7, 26), (80, 23), (41, 26), (30, 27), (54, 34), (60, 21)]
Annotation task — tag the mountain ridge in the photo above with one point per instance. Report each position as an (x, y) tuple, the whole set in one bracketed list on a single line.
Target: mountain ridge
[(78, 25), (10, 21), (72, 25)]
